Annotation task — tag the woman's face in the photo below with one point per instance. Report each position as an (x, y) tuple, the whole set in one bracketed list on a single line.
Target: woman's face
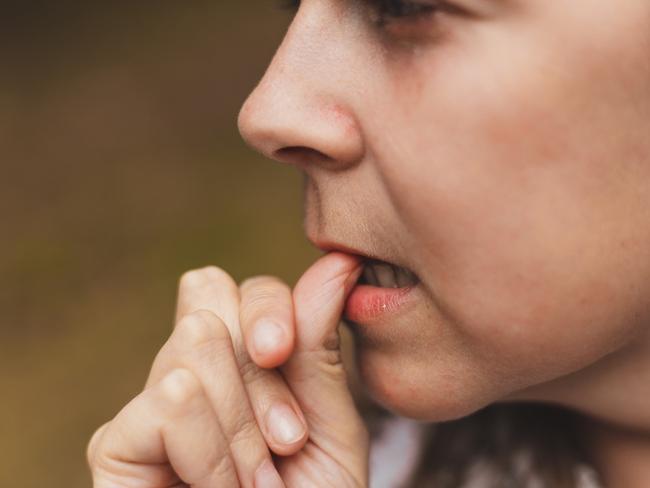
[(499, 149)]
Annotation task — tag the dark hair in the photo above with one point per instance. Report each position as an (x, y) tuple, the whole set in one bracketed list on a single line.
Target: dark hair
[(517, 444)]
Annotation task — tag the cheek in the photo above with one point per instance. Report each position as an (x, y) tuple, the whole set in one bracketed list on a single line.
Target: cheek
[(526, 199)]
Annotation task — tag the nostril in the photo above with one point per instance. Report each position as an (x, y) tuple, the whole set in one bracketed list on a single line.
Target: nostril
[(301, 155)]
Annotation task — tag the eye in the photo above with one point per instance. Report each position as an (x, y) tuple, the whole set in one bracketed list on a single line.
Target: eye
[(396, 15), (393, 10), (387, 9)]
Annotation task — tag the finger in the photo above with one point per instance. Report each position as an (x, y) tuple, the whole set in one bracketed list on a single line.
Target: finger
[(276, 411), (315, 371), (211, 288), (266, 318), (166, 435), (201, 343)]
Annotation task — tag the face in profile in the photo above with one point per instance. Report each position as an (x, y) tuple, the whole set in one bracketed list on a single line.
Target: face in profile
[(491, 161)]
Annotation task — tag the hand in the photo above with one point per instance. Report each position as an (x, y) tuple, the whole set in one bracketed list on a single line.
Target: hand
[(213, 411)]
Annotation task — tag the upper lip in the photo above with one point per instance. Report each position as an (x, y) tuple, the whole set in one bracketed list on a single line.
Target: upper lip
[(328, 244)]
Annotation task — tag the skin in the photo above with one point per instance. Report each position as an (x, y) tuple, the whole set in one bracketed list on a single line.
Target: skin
[(205, 417), (499, 150)]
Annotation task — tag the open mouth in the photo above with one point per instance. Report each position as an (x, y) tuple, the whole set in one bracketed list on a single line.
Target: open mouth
[(382, 291), (385, 275)]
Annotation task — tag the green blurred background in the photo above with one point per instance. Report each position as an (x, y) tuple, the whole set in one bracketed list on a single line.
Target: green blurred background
[(121, 168)]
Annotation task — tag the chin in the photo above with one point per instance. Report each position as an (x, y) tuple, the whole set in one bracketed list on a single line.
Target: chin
[(421, 392)]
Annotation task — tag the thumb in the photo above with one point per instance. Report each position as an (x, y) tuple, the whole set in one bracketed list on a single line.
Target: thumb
[(315, 371)]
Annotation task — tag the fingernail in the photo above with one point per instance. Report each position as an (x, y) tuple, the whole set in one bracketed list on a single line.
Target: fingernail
[(284, 425), (268, 337), (267, 476)]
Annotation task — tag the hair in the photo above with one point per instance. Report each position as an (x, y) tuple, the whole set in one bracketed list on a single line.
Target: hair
[(507, 445)]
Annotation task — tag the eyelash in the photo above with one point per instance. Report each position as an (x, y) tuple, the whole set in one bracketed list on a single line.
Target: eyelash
[(387, 11), (391, 10)]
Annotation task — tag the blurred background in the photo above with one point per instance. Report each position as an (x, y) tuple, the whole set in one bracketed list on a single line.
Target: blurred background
[(121, 167)]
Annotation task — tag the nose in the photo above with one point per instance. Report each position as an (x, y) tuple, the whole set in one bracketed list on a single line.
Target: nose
[(302, 111)]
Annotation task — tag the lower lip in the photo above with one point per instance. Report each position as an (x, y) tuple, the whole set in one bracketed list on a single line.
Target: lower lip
[(367, 304)]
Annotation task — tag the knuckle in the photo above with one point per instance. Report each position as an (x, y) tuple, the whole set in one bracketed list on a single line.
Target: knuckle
[(206, 276), (194, 328), (249, 371), (245, 429), (329, 364), (222, 467), (263, 293), (261, 281), (202, 326), (91, 448), (179, 387), (192, 278), (332, 344), (257, 307), (263, 297)]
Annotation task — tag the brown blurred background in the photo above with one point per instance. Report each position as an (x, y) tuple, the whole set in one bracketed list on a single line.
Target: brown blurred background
[(121, 168)]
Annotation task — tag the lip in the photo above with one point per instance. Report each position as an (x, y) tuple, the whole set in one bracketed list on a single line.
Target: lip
[(370, 305), (367, 304), (327, 245)]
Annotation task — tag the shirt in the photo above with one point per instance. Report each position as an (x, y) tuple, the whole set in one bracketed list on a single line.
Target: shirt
[(394, 456)]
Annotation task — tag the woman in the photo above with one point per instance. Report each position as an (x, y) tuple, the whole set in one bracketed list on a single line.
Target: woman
[(478, 173)]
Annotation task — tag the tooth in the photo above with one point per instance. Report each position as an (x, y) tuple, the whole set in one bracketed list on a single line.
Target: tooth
[(402, 278), (405, 277), (369, 275), (385, 275)]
